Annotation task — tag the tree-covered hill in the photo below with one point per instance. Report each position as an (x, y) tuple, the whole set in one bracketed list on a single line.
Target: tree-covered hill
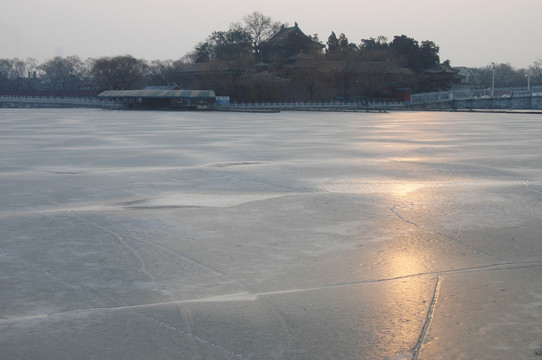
[(260, 59)]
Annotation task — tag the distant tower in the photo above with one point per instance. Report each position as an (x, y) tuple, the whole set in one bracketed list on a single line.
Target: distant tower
[(59, 51)]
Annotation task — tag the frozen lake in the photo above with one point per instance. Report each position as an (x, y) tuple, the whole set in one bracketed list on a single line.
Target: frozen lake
[(296, 235)]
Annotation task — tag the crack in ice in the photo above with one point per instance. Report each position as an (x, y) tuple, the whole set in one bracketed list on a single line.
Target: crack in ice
[(246, 296), (430, 311), (400, 217)]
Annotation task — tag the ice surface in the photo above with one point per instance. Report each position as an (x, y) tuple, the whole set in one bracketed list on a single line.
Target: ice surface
[(296, 235)]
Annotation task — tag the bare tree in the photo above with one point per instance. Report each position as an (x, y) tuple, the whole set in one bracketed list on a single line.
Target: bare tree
[(5, 73), (159, 71), (176, 74), (56, 70), (32, 67), (64, 73), (313, 72), (118, 73), (536, 71), (19, 67), (260, 27), (6, 68)]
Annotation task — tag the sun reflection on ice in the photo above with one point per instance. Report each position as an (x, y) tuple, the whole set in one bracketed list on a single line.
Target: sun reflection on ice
[(406, 188), (405, 264), (366, 186)]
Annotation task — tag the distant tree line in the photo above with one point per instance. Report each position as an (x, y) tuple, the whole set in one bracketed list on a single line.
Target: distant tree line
[(505, 75), (233, 62)]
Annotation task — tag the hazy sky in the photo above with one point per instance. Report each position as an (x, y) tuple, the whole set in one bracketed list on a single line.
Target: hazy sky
[(469, 32)]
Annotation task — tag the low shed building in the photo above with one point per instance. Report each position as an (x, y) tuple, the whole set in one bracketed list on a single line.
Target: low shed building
[(162, 99)]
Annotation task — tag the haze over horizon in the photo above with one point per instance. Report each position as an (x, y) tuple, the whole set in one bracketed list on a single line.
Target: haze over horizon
[(468, 33)]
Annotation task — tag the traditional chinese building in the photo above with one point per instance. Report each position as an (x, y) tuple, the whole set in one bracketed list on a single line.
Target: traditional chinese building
[(287, 44)]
